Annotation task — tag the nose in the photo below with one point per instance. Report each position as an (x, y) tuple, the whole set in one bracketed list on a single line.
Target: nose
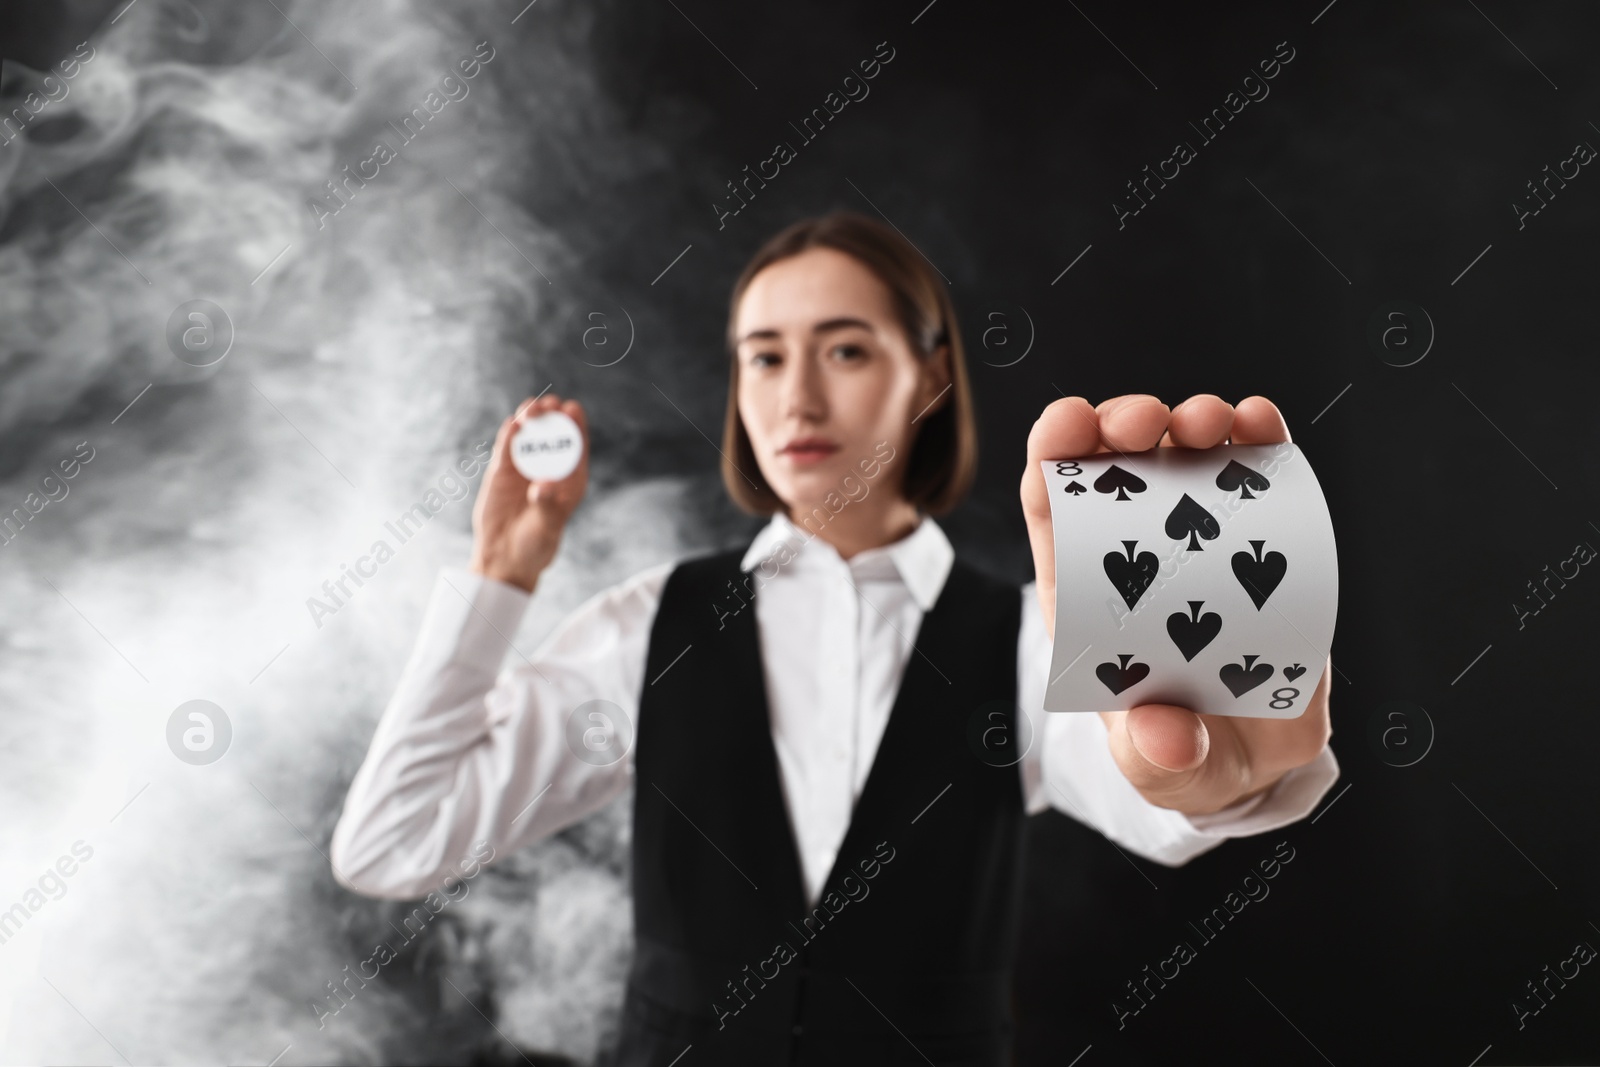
[(803, 395)]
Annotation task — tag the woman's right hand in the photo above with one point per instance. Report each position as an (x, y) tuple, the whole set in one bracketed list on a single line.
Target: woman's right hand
[(516, 523)]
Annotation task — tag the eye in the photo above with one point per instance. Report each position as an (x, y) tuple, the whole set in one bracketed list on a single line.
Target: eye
[(849, 351), (760, 359)]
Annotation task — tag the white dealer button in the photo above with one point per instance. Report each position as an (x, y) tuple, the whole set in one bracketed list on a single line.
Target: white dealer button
[(547, 447)]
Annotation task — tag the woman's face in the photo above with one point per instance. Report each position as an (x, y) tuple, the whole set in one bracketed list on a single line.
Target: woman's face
[(826, 374)]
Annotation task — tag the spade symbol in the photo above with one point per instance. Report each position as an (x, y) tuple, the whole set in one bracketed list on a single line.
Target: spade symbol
[(1189, 519), (1236, 474), (1075, 488), (1132, 576), (1291, 673), (1118, 481), (1242, 679), (1117, 678), (1194, 631), (1259, 576)]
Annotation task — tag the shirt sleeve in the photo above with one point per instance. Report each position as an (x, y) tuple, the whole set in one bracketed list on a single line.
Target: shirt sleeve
[(462, 759), (1069, 766)]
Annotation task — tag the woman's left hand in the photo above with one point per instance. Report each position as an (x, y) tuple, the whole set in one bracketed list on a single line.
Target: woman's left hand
[(1176, 758)]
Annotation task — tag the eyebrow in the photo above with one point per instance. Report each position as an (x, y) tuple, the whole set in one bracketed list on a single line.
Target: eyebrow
[(821, 327)]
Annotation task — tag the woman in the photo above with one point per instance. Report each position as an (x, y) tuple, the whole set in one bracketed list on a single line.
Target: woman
[(821, 728)]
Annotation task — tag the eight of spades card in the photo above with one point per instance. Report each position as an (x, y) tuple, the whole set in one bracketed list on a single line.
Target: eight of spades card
[(1205, 578)]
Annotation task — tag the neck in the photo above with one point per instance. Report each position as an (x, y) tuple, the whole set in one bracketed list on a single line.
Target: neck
[(860, 526)]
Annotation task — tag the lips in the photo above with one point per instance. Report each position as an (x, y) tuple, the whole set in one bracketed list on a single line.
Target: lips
[(810, 447)]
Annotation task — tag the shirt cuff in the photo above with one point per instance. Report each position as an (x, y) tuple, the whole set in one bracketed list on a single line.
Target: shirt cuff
[(470, 620), (1290, 799)]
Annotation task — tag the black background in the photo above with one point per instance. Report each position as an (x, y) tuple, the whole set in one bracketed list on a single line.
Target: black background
[(1396, 141)]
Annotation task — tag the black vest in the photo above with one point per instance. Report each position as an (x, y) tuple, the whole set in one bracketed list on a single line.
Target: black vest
[(907, 956)]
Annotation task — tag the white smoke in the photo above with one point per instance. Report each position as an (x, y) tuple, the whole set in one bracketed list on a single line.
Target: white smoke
[(369, 355)]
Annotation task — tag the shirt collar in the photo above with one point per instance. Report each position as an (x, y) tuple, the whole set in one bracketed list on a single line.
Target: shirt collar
[(921, 559)]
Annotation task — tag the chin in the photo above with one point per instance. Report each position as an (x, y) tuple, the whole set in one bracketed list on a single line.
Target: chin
[(798, 492), (816, 482)]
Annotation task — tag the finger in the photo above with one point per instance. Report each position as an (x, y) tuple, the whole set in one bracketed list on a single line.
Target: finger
[(525, 410), (1132, 423), (575, 412), (1066, 429), (533, 407), (1257, 421), (1159, 748), (502, 445), (1201, 421)]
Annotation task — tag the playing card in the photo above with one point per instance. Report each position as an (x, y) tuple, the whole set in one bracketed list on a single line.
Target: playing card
[(1206, 578)]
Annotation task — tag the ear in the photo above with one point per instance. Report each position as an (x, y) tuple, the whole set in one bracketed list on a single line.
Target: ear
[(935, 380)]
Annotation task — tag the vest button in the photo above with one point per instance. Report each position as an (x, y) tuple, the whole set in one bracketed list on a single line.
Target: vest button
[(798, 1029)]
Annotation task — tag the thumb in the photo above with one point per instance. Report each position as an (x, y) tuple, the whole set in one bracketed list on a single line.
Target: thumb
[(1158, 747)]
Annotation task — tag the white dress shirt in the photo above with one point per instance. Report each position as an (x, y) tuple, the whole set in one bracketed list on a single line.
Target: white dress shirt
[(461, 756)]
